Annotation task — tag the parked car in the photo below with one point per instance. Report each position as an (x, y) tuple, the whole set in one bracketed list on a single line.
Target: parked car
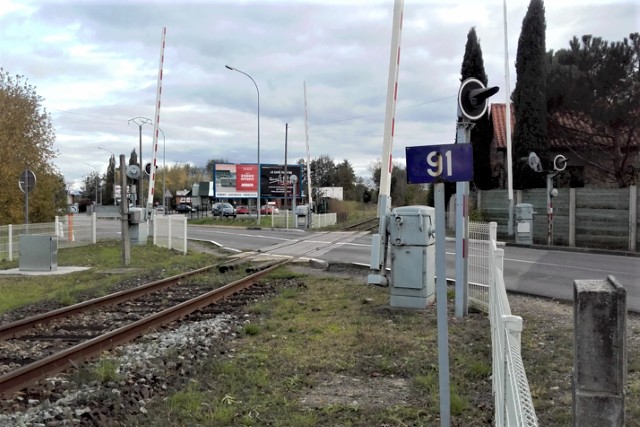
[(223, 210), (269, 210), (185, 208), (161, 210), (302, 210), (242, 210)]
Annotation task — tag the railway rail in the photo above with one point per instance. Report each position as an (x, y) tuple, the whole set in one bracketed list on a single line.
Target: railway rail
[(366, 225), (79, 341)]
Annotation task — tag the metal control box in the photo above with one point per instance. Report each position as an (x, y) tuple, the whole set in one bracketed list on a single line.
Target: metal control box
[(524, 223), (138, 226), (38, 253), (136, 215), (411, 231)]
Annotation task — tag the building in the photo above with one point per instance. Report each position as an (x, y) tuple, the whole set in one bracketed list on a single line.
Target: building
[(592, 155)]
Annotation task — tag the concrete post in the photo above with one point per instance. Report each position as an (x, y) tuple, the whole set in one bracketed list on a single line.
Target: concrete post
[(572, 217), (599, 367)]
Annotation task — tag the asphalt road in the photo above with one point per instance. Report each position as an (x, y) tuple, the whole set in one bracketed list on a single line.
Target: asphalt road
[(538, 271)]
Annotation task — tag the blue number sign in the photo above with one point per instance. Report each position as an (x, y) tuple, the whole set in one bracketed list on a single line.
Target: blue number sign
[(439, 163)]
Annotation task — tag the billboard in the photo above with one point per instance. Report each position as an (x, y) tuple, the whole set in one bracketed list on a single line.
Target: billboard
[(235, 180), (272, 180)]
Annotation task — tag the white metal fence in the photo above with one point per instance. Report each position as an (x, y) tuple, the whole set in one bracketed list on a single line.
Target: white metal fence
[(86, 229), (285, 219), (71, 230), (512, 397), (480, 236)]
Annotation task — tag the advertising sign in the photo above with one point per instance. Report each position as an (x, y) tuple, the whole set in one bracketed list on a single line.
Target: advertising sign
[(235, 180), (272, 180)]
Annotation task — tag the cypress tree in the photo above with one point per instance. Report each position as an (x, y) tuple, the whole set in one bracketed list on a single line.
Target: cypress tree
[(482, 132), (529, 99)]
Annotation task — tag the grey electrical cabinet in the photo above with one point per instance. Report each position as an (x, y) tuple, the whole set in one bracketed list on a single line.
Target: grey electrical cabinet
[(138, 227), (38, 252), (136, 215), (524, 223), (412, 250)]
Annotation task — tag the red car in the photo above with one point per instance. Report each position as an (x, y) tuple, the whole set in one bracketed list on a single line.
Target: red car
[(242, 210), (269, 210)]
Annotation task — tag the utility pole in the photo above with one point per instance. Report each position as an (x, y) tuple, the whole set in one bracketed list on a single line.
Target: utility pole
[(286, 178), (140, 121)]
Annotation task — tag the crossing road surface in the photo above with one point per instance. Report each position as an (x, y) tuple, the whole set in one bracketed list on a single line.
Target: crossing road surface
[(537, 271)]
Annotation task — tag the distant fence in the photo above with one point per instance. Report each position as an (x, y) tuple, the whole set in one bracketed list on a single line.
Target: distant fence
[(286, 219), (86, 229), (583, 217), (71, 230), (170, 231)]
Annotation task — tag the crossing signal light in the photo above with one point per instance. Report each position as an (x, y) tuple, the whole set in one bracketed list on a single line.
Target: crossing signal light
[(472, 98)]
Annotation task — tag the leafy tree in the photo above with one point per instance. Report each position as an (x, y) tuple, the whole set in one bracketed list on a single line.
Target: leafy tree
[(529, 99), (91, 185), (593, 92), (107, 196), (482, 132), (345, 177), (323, 171), (26, 142), (361, 191), (402, 194)]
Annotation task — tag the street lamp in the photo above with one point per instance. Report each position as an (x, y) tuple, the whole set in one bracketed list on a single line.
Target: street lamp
[(258, 91), (97, 175), (140, 121), (112, 159)]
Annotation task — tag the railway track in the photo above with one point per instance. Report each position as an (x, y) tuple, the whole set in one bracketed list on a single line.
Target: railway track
[(366, 225), (64, 337)]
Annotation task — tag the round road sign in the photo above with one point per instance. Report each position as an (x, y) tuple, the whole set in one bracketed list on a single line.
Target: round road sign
[(27, 181)]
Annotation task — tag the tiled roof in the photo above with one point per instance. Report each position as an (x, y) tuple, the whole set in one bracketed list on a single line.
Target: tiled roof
[(583, 133), (499, 129), (577, 124)]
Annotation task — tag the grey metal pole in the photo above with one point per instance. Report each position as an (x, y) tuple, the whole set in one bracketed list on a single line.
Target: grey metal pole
[(258, 91), (124, 215), (140, 121), (441, 307), (141, 180), (286, 177), (463, 136)]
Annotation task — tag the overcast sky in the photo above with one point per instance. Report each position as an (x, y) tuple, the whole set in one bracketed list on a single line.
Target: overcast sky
[(96, 63)]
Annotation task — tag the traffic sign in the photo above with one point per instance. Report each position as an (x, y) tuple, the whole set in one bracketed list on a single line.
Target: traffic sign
[(439, 163), (27, 181)]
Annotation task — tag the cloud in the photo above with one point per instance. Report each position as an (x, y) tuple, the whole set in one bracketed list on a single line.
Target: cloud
[(95, 63)]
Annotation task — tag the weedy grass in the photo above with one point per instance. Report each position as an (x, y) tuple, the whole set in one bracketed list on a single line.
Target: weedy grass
[(106, 269), (380, 364), (332, 352)]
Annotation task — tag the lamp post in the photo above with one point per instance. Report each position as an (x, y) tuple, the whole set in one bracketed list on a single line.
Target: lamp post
[(112, 159), (258, 91), (140, 121), (97, 175)]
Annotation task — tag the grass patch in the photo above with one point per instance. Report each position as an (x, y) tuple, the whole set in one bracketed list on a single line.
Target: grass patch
[(332, 352), (103, 257)]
